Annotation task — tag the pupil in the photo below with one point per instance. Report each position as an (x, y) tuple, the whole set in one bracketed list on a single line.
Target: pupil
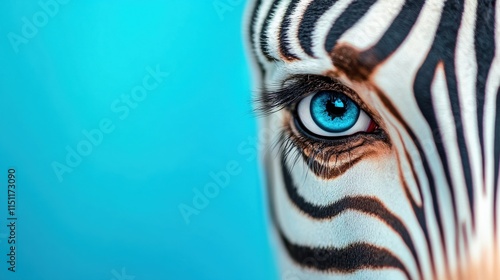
[(335, 107)]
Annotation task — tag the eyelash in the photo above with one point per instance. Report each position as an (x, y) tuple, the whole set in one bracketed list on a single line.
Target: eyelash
[(297, 88)]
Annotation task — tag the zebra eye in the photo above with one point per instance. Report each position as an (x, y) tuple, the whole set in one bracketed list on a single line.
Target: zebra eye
[(332, 114)]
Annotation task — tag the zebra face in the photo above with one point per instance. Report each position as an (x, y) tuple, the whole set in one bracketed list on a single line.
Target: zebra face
[(383, 136)]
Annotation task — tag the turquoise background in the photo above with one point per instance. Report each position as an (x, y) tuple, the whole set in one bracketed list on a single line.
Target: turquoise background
[(117, 213)]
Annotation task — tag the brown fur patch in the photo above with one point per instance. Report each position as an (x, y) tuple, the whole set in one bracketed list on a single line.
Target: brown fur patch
[(356, 65)]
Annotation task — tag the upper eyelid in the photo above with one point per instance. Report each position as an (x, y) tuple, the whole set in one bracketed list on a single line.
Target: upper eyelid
[(296, 88)]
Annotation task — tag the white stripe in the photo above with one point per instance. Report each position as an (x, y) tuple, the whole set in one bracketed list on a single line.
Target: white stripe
[(446, 124), (274, 27), (372, 26), (466, 68), (259, 22), (323, 26), (293, 30), (490, 111)]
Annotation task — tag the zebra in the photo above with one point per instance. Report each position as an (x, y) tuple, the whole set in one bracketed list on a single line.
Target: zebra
[(381, 129)]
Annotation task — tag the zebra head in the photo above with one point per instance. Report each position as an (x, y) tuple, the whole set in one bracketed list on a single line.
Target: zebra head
[(382, 135)]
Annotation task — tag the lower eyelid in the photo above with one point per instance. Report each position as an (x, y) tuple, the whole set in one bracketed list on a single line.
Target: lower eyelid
[(328, 160)]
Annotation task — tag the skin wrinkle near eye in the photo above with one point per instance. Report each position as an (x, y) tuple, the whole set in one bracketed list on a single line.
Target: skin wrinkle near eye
[(329, 159)]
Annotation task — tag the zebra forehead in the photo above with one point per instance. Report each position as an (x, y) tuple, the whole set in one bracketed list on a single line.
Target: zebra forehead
[(355, 35)]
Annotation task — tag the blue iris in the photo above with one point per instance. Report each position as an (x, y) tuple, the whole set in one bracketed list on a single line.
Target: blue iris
[(333, 111)]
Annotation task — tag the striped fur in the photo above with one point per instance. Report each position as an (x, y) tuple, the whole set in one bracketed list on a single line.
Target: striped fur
[(416, 199)]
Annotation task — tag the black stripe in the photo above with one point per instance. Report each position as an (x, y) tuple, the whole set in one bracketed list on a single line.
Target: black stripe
[(395, 34), (484, 43), (422, 92), (253, 20), (346, 20), (443, 50), (312, 14), (347, 260), (435, 204), (285, 25), (367, 205), (496, 159), (419, 211), (422, 221), (263, 32), (253, 23)]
